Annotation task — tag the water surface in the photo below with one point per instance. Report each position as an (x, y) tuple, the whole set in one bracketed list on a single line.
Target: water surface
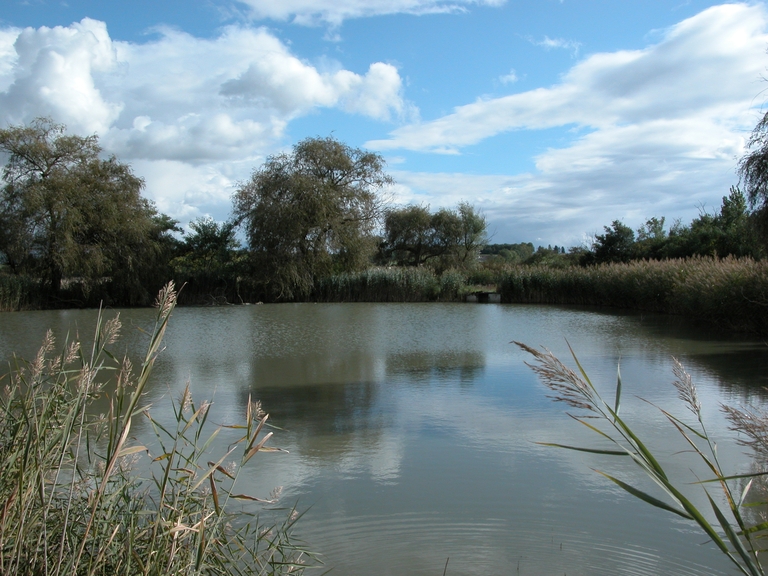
[(412, 429)]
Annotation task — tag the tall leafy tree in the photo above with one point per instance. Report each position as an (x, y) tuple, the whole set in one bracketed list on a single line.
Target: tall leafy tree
[(408, 235), (413, 236), (66, 212), (753, 171), (616, 245), (209, 258), (474, 232), (310, 213)]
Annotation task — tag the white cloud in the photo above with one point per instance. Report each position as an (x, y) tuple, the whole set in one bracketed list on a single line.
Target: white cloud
[(8, 56), (188, 192), (510, 78), (334, 12), (179, 97), (705, 68), (658, 132), (177, 102), (52, 71), (550, 43)]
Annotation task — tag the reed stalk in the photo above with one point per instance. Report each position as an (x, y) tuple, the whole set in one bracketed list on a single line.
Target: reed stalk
[(78, 500), (729, 293), (731, 531)]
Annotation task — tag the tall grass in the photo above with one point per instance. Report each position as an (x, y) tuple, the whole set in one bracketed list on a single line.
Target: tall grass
[(74, 499), (734, 535), (730, 292), (18, 293), (401, 284)]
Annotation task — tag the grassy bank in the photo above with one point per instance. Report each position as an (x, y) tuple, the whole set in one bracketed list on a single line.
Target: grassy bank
[(396, 284), (730, 293)]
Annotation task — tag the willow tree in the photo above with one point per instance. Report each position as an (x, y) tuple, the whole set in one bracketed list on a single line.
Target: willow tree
[(66, 212), (444, 239), (753, 171), (310, 213)]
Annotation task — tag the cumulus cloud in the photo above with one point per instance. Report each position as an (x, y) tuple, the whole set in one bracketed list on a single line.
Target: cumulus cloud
[(655, 131), (705, 68), (334, 12), (179, 97), (188, 192), (179, 100), (52, 71)]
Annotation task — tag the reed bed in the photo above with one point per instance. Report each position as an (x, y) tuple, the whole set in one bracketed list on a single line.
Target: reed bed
[(76, 498), (401, 284), (18, 293), (731, 293)]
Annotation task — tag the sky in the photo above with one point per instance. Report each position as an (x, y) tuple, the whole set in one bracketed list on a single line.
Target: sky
[(552, 117)]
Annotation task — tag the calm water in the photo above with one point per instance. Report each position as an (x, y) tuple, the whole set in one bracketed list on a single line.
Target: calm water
[(412, 428)]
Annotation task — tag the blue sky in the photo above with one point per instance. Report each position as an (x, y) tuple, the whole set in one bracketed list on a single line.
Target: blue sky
[(554, 117)]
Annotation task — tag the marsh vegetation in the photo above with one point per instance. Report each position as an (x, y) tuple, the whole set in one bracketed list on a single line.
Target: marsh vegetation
[(82, 496)]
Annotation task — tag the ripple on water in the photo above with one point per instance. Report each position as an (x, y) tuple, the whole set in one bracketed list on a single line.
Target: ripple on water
[(418, 543)]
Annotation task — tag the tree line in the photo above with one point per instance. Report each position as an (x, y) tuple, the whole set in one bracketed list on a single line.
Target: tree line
[(76, 227), (735, 229), (76, 230)]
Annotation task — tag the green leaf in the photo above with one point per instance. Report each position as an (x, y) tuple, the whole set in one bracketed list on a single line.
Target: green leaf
[(754, 569), (646, 497), (618, 389), (591, 450)]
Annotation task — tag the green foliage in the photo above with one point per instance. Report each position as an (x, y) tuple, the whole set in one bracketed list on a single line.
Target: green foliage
[(65, 212), (209, 261), (380, 284), (76, 499), (731, 231), (616, 245), (17, 292), (310, 213), (445, 239), (753, 171), (732, 533), (729, 292), (510, 252), (407, 235)]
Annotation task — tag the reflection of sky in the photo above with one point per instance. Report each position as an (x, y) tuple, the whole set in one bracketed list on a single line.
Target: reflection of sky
[(422, 420)]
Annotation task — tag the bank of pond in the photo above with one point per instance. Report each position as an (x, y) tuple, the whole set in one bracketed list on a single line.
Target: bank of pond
[(729, 293)]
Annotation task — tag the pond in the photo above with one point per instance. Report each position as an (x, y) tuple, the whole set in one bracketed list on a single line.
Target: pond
[(413, 429)]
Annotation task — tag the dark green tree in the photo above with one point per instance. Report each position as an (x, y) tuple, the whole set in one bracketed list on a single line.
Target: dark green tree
[(730, 231), (753, 173), (209, 259), (444, 239), (510, 252), (407, 235), (311, 213), (651, 239), (65, 212), (616, 245), (474, 232)]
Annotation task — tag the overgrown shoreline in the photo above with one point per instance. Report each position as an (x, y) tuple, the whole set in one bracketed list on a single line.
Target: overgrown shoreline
[(729, 293), (77, 502)]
